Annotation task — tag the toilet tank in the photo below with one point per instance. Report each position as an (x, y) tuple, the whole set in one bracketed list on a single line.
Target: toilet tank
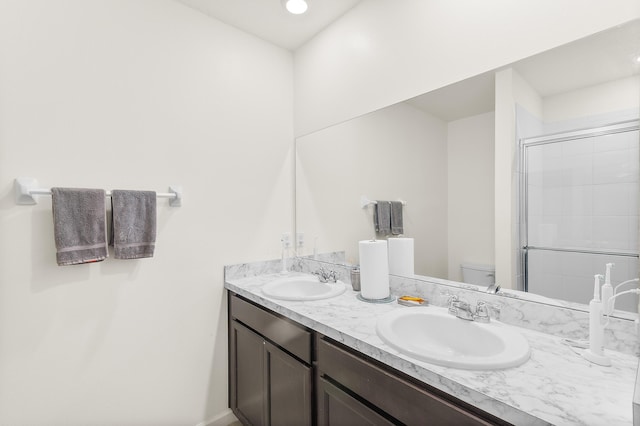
[(484, 275)]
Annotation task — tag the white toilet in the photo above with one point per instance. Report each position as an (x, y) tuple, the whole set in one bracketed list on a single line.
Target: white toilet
[(483, 275)]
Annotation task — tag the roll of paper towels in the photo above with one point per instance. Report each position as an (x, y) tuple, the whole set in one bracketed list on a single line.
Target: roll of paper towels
[(374, 269), (401, 256)]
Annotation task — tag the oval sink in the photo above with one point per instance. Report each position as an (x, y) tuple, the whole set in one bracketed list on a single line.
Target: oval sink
[(302, 288), (433, 335)]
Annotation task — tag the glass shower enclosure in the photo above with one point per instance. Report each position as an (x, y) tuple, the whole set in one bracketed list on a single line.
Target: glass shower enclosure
[(579, 211)]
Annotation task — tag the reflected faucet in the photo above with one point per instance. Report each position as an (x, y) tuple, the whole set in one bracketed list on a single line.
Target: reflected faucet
[(493, 288)]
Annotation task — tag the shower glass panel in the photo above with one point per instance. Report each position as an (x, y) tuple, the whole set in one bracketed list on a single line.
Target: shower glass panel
[(580, 211)]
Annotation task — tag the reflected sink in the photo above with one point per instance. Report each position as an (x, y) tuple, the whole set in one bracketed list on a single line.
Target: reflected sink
[(433, 335), (302, 288)]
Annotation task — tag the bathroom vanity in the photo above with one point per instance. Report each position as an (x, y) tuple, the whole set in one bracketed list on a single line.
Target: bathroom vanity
[(271, 360), (321, 362)]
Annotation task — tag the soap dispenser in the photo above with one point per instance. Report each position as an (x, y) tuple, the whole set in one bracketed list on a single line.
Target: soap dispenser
[(607, 291), (595, 352)]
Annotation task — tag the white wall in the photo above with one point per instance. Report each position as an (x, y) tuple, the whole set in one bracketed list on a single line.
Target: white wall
[(615, 96), (511, 90), (382, 52), (470, 156), (133, 94), (398, 152)]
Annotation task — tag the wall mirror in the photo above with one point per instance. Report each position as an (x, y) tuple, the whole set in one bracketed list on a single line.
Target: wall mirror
[(573, 196)]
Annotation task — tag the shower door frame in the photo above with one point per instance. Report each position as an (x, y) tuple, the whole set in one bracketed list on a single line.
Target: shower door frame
[(523, 144)]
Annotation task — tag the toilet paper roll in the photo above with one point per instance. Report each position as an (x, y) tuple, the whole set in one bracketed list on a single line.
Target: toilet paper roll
[(374, 269), (401, 256)]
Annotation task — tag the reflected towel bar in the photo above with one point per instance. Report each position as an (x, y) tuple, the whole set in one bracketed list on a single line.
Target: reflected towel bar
[(25, 188), (364, 202)]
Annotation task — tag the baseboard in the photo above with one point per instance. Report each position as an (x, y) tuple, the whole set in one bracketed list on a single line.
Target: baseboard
[(223, 419)]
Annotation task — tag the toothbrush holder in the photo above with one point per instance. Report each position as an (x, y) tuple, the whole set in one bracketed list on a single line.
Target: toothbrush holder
[(355, 279)]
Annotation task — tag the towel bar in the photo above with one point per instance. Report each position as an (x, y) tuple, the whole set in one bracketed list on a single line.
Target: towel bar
[(25, 188), (364, 202)]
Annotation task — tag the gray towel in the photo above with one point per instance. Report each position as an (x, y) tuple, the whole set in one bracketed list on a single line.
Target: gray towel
[(397, 226), (79, 225), (382, 217), (134, 223)]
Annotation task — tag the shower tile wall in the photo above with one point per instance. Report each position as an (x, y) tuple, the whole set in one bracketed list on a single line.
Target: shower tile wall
[(583, 194)]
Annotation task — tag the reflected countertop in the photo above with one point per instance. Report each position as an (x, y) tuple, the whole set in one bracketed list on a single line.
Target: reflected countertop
[(556, 386)]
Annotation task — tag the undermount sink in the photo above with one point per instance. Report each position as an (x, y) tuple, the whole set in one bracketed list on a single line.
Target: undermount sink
[(431, 334), (302, 288)]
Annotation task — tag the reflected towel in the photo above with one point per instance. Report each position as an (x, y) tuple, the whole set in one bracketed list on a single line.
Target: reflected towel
[(382, 217), (79, 225), (134, 223), (397, 226)]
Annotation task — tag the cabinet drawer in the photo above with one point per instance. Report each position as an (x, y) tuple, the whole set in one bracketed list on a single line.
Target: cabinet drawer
[(287, 335), (399, 398), (337, 408)]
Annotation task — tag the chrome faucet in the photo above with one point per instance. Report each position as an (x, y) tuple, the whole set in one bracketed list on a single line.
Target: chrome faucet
[(463, 310), (325, 276)]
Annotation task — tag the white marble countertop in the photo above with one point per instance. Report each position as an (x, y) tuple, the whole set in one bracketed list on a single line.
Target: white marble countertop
[(556, 386)]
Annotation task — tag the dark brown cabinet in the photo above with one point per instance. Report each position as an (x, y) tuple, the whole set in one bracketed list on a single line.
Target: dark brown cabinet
[(376, 389), (268, 386)]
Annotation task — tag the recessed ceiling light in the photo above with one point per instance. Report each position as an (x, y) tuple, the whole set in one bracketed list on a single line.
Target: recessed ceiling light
[(297, 7)]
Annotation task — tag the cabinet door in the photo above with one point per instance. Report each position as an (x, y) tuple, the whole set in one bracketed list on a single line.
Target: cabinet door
[(289, 389), (247, 379), (337, 408)]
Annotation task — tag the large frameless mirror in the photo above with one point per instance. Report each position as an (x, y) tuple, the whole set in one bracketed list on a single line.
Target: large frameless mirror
[(441, 153)]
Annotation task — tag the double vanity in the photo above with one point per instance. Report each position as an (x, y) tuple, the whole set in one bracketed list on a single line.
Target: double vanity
[(305, 352)]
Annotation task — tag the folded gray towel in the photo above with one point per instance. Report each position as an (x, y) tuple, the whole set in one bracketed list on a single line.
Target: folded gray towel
[(382, 217), (79, 225), (397, 226), (134, 223)]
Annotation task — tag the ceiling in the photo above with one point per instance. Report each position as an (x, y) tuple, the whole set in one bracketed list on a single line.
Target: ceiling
[(268, 20), (602, 57)]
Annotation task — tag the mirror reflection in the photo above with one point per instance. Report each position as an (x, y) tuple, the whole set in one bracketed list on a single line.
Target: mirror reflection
[(527, 174)]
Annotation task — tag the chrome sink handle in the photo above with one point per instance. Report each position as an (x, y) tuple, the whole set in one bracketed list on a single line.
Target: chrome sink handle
[(451, 298), (321, 274), (462, 310), (485, 310), (325, 276)]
